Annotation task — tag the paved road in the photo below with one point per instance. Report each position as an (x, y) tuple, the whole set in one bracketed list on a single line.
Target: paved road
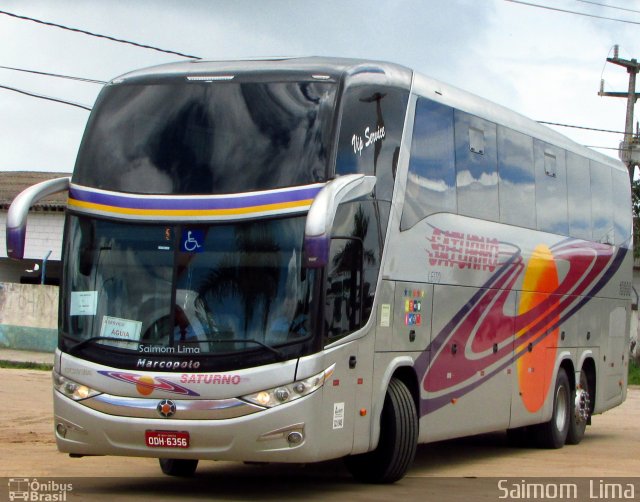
[(466, 469)]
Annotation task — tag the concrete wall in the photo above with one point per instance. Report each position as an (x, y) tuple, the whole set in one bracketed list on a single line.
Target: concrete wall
[(28, 316)]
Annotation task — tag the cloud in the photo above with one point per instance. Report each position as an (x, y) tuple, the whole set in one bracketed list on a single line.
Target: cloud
[(540, 63)]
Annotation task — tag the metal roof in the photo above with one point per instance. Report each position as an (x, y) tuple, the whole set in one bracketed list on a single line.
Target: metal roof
[(14, 182)]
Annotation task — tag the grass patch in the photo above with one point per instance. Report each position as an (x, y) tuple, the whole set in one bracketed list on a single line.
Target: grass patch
[(634, 372), (26, 366)]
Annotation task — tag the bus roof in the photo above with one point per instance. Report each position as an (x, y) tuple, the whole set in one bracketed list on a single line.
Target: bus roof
[(394, 74), (318, 67)]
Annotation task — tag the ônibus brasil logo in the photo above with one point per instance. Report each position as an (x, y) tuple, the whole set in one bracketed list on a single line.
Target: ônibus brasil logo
[(40, 491)]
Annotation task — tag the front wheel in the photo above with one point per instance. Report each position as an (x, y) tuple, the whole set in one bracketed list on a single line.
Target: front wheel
[(398, 440), (183, 468), (553, 433)]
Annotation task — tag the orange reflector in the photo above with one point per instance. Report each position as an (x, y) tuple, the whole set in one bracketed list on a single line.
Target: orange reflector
[(363, 412), (454, 400)]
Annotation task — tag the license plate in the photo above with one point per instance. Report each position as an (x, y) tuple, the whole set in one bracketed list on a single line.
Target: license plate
[(167, 439)]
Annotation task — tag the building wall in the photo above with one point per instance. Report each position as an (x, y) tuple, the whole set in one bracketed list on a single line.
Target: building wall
[(28, 316), (29, 312), (44, 233), (635, 322)]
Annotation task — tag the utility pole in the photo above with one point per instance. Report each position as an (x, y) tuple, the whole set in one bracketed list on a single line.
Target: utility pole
[(629, 151)]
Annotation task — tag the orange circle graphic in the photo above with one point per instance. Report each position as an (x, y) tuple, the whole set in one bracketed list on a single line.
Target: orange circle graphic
[(535, 367), (145, 385)]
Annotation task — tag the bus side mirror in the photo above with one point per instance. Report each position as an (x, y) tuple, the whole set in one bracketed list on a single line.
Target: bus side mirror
[(317, 233), (17, 215)]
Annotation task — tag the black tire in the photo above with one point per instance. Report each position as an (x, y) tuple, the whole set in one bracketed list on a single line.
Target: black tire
[(182, 468), (398, 440), (580, 410), (553, 433)]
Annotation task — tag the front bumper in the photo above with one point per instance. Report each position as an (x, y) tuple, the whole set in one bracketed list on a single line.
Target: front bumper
[(262, 436)]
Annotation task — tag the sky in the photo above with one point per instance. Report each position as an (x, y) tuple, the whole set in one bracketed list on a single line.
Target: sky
[(543, 63)]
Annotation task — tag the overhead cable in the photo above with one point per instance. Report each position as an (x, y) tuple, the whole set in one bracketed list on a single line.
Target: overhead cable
[(580, 127), (107, 37), (79, 79), (48, 98), (609, 6), (528, 4)]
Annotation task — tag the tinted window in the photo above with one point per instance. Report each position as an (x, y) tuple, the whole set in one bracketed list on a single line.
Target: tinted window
[(431, 181), (579, 192), (517, 178), (213, 290), (476, 166), (551, 188), (353, 268), (601, 206), (343, 288), (207, 138), (370, 134), (621, 211)]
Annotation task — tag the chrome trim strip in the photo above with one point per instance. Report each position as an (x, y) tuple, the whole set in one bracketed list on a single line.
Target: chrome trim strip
[(186, 409)]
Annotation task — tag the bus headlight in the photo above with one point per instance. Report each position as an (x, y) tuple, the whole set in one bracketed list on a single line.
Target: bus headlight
[(290, 392), (73, 390)]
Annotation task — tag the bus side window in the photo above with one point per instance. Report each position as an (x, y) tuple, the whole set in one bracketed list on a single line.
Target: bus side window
[(551, 188), (343, 293), (476, 166), (517, 178), (621, 218), (431, 181), (370, 133), (579, 194), (601, 203)]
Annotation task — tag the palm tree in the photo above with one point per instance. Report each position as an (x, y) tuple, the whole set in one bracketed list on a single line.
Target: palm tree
[(249, 273), (350, 259)]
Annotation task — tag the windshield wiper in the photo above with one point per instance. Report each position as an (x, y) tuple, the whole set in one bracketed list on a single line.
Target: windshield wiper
[(94, 339), (277, 352)]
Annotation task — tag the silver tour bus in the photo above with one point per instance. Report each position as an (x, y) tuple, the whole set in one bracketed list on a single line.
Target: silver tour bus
[(295, 260)]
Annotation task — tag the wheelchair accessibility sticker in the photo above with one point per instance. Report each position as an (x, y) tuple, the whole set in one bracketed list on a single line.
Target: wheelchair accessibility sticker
[(192, 241)]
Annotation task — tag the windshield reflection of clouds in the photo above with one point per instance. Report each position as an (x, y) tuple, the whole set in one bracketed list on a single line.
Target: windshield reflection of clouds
[(185, 138)]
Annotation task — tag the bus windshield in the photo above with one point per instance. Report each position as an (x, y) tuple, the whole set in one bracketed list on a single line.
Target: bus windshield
[(195, 137), (185, 289)]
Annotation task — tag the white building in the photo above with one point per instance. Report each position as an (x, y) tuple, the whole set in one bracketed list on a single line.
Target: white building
[(44, 230)]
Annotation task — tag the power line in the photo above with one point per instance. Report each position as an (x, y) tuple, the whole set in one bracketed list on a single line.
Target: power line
[(528, 4), (107, 37), (102, 82), (48, 98), (580, 127), (80, 79), (609, 6)]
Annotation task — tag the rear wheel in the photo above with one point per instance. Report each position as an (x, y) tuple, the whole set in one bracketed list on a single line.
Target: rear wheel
[(553, 434), (580, 410), (398, 439), (183, 468)]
